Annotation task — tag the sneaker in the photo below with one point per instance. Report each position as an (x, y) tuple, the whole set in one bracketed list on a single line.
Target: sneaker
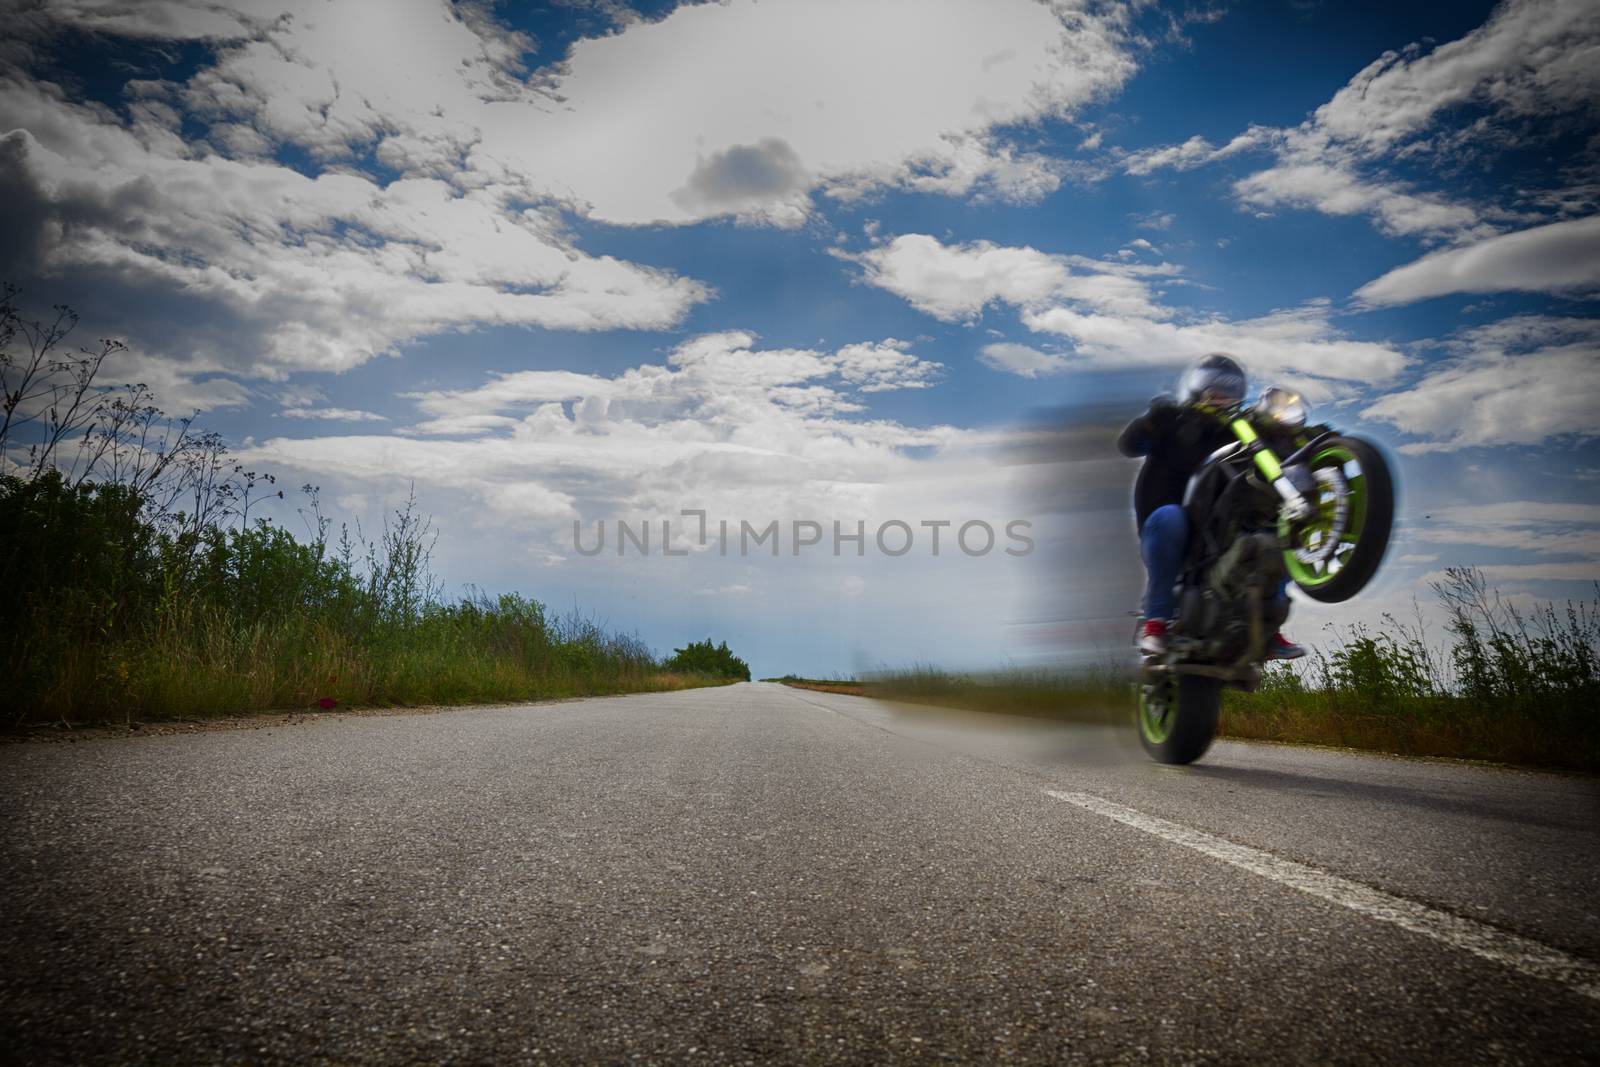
[(1280, 647), (1153, 637)]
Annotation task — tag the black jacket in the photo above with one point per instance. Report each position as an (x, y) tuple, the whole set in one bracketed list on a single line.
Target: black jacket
[(1175, 441)]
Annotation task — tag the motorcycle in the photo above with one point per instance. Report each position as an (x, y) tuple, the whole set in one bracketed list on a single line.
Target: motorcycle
[(1284, 500)]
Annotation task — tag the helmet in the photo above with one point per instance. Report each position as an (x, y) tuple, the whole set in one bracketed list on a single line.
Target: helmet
[(1217, 381)]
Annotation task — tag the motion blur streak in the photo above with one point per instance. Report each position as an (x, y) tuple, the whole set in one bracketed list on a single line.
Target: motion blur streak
[(1088, 577)]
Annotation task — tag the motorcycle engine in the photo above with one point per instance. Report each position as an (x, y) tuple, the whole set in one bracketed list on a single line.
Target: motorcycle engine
[(1218, 613), (1253, 558)]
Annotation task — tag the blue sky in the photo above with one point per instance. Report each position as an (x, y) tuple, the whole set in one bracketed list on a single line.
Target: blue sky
[(581, 261)]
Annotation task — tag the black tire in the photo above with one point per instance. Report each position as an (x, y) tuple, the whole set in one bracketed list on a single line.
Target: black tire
[(1193, 719), (1372, 537)]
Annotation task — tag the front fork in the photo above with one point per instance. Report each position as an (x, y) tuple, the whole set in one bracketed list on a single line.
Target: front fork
[(1295, 505)]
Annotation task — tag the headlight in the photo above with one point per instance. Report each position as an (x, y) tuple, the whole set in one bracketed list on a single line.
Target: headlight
[(1281, 407)]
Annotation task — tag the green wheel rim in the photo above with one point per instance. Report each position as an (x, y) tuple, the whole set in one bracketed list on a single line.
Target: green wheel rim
[(1156, 719), (1312, 537)]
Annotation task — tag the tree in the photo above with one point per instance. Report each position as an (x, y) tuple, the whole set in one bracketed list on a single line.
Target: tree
[(702, 657)]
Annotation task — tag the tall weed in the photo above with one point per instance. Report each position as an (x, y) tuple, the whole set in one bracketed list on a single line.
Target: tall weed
[(135, 584)]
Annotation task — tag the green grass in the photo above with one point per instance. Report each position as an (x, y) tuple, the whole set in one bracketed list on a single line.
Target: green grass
[(1507, 686), (115, 616), (1077, 696), (459, 654), (827, 685), (1442, 725), (1510, 685), (134, 583)]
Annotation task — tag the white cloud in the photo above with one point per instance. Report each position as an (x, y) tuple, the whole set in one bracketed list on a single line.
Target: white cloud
[(1573, 571), (272, 271), (1313, 176), (736, 589), (1559, 257), (875, 368), (1563, 537), (1551, 528), (1522, 381), (1191, 153), (1532, 60), (894, 92), (1112, 316), (162, 19), (333, 414), (639, 127), (1195, 152), (1155, 220), (956, 282), (1298, 346), (305, 401), (256, 269), (724, 423), (1022, 360), (178, 392)]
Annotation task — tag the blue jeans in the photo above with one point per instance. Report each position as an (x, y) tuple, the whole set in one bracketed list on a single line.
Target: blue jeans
[(1162, 542)]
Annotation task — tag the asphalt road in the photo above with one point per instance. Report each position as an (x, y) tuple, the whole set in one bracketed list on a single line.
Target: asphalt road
[(756, 873)]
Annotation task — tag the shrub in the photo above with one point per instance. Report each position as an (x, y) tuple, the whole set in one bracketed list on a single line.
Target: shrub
[(1510, 685), (134, 583), (702, 657)]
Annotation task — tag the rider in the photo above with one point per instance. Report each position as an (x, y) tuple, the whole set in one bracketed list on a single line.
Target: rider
[(1175, 437)]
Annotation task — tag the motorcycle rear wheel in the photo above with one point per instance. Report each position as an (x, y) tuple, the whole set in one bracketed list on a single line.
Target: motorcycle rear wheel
[(1178, 716), (1334, 556)]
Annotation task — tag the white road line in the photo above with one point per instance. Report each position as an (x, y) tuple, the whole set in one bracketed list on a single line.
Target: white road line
[(1520, 953)]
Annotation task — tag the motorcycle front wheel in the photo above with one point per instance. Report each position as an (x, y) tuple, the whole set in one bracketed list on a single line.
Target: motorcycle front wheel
[(1178, 716), (1335, 554)]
